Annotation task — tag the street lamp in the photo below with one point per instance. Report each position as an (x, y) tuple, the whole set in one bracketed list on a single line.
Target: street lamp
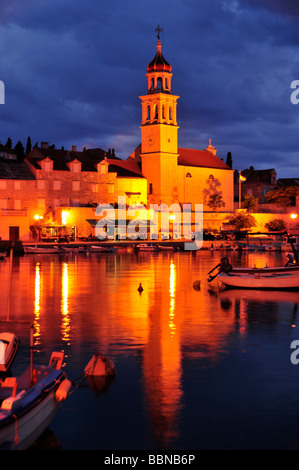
[(241, 178)]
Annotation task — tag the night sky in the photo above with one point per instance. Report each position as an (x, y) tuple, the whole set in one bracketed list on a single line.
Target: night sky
[(74, 70)]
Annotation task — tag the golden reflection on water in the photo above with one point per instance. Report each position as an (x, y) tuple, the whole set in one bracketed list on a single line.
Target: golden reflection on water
[(167, 322), (37, 300), (65, 319)]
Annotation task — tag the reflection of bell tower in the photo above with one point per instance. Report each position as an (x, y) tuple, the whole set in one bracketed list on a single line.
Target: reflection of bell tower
[(159, 131)]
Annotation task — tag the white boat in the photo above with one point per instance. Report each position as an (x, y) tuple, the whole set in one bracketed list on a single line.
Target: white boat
[(9, 344), (29, 403), (146, 247), (73, 249), (165, 248), (41, 249), (260, 281), (100, 249)]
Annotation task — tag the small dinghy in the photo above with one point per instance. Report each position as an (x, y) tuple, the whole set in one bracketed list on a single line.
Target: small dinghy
[(9, 344), (99, 365)]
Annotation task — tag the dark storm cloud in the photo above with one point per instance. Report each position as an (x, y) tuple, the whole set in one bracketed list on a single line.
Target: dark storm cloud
[(74, 72)]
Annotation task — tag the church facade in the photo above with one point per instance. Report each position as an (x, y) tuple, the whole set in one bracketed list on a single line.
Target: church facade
[(174, 174)]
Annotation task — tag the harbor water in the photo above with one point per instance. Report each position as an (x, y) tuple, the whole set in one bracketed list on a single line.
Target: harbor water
[(195, 368)]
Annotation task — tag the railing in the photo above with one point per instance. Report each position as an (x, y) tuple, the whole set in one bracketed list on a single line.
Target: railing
[(13, 212)]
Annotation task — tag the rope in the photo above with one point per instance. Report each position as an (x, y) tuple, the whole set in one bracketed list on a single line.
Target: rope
[(16, 429)]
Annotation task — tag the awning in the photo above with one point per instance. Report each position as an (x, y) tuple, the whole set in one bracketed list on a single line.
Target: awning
[(143, 223)]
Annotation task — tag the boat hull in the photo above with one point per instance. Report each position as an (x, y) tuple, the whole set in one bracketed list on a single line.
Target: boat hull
[(36, 251), (257, 281), (22, 426), (291, 269)]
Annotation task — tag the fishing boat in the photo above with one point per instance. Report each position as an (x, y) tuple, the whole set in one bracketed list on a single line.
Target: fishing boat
[(30, 402), (41, 249), (9, 344), (282, 281)]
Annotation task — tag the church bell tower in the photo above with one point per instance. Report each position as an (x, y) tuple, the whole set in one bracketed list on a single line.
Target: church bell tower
[(159, 131)]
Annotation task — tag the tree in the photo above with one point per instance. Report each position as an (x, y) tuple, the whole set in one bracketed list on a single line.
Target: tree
[(282, 197), (242, 221), (250, 202), (28, 146), (20, 151), (215, 201), (229, 160), (9, 143), (276, 225)]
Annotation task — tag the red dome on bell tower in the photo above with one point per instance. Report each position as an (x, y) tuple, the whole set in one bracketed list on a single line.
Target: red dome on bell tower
[(159, 63)]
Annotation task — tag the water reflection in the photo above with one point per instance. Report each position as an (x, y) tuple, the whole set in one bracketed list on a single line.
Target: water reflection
[(65, 321), (86, 303), (37, 299), (249, 305)]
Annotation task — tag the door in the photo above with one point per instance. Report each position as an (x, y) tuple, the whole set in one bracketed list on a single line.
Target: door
[(14, 233)]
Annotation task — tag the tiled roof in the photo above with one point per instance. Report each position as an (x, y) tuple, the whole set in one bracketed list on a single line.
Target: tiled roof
[(125, 168), (259, 176), (189, 157), (288, 181), (5, 149), (89, 159), (200, 158), (15, 170)]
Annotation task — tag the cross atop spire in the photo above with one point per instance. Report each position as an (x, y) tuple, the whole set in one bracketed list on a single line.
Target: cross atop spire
[(158, 30)]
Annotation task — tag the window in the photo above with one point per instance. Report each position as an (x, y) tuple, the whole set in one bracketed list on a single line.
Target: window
[(17, 204), (57, 202), (57, 185), (2, 184), (40, 184), (76, 185), (17, 185), (95, 188), (48, 166), (110, 188), (3, 203), (41, 202), (150, 188)]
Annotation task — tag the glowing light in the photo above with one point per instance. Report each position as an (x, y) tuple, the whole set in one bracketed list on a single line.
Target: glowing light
[(172, 217), (64, 217), (293, 216)]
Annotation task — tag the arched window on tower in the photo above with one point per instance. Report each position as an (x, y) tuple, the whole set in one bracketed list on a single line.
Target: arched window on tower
[(159, 83), (148, 115), (163, 112), (170, 113), (155, 112)]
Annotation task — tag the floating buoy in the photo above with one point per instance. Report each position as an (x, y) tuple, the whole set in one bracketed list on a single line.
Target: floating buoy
[(63, 390), (100, 365), (140, 288), (196, 285)]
